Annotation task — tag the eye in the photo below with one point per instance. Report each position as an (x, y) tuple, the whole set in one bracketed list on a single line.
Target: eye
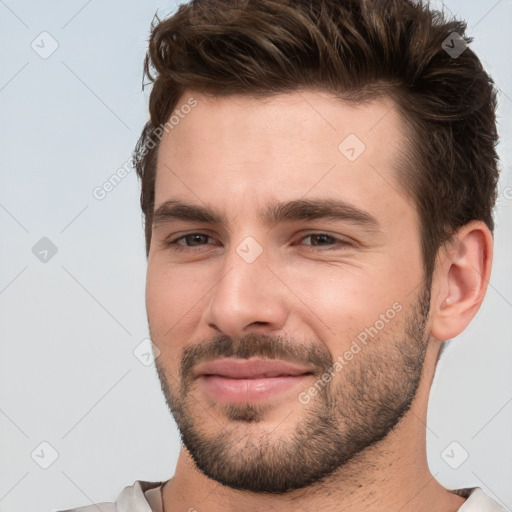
[(190, 237), (325, 242)]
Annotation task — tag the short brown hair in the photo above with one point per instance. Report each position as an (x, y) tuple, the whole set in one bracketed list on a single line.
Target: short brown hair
[(357, 50)]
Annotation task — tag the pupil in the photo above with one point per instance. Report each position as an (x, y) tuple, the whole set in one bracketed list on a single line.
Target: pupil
[(196, 237), (321, 237)]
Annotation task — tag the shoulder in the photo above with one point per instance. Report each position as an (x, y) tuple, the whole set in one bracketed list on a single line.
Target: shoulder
[(477, 501), (131, 499)]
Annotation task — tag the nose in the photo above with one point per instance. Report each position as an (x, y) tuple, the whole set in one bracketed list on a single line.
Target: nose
[(249, 296)]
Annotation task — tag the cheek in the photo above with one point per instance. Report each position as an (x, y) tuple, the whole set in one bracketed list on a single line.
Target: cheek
[(331, 301), (348, 303), (173, 296)]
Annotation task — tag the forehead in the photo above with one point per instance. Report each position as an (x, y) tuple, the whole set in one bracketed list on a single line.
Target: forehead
[(286, 145)]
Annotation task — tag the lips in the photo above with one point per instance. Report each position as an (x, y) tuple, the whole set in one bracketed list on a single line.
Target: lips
[(250, 368), (231, 380)]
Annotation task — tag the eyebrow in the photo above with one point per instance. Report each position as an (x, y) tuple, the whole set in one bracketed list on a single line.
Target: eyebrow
[(290, 211)]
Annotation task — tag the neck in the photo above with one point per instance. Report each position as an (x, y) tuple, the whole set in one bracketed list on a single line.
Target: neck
[(390, 475)]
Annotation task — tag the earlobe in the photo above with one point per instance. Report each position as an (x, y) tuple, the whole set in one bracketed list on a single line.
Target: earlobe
[(462, 274)]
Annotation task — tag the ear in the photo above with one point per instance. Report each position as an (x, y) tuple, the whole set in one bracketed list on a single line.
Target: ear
[(460, 280)]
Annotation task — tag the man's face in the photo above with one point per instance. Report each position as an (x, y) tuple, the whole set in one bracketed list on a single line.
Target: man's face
[(289, 341)]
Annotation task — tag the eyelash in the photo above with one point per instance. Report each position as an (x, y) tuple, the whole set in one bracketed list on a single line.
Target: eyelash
[(173, 244)]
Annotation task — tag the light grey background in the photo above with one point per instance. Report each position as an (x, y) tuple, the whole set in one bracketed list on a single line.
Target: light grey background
[(69, 326)]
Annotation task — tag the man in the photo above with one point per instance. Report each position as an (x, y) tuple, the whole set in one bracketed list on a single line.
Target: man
[(318, 180)]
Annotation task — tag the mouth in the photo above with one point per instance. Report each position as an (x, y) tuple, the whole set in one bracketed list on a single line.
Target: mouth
[(249, 380)]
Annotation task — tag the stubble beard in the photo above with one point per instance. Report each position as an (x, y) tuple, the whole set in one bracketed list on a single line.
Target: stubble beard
[(353, 412)]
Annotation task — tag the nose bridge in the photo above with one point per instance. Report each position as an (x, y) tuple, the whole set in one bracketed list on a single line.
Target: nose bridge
[(247, 291)]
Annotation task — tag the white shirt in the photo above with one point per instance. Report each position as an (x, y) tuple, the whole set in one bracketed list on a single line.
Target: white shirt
[(145, 496)]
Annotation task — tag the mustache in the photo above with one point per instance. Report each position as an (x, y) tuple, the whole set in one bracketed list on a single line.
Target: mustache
[(254, 345)]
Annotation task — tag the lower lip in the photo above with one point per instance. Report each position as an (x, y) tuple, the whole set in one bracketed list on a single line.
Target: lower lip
[(224, 389)]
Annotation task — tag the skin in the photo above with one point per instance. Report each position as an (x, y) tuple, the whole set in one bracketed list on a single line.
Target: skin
[(237, 154)]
